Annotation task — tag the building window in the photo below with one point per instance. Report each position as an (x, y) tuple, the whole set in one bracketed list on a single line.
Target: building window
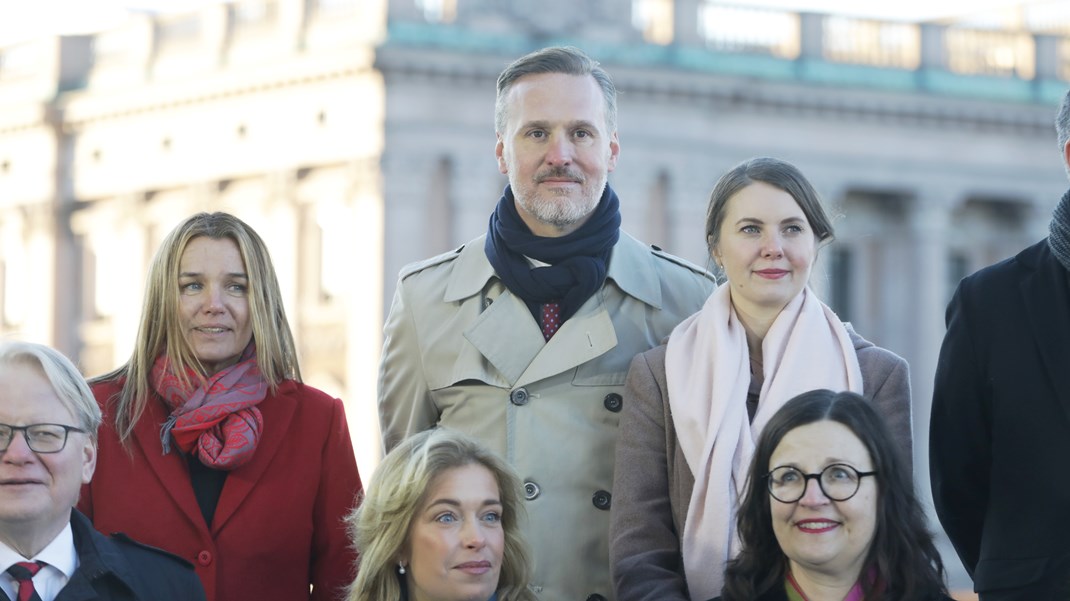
[(254, 15), (839, 269), (958, 267), (750, 30), (178, 31), (14, 301), (438, 11), (335, 257), (20, 60), (334, 6), (657, 216), (3, 292), (439, 209), (654, 18)]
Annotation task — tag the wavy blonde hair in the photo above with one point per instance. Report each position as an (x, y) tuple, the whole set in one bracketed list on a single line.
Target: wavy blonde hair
[(380, 526), (160, 330)]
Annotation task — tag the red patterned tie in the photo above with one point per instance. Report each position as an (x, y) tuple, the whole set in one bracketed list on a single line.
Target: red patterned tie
[(23, 572), (551, 319)]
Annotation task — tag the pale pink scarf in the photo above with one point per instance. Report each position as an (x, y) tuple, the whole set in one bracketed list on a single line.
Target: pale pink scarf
[(707, 368)]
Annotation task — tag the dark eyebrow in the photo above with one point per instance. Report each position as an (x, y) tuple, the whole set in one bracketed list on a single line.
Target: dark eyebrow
[(543, 124), (756, 220)]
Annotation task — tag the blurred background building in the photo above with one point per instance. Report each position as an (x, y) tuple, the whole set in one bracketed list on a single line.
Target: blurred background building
[(357, 136)]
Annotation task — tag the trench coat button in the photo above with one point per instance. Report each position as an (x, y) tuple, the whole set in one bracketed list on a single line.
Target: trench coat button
[(602, 500), (519, 397), (487, 302), (595, 597), (613, 402), (204, 558), (531, 491)]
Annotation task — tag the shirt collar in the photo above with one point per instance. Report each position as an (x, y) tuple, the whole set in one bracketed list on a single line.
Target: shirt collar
[(59, 554)]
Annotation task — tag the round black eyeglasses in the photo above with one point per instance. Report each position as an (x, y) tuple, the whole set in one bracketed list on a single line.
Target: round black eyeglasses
[(41, 438), (838, 481)]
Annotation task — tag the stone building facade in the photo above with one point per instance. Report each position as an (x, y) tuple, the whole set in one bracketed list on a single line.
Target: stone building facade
[(357, 136)]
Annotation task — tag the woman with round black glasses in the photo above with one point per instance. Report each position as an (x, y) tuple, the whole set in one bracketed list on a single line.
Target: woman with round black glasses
[(829, 511)]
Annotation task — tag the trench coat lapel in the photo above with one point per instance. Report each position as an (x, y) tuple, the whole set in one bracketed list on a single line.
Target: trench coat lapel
[(278, 411), (169, 469), (1046, 302), (523, 356), (586, 335), (507, 336)]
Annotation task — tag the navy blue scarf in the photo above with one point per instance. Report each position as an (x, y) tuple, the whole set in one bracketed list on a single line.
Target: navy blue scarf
[(577, 261)]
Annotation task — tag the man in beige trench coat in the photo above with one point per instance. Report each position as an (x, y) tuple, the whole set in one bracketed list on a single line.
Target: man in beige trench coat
[(522, 337)]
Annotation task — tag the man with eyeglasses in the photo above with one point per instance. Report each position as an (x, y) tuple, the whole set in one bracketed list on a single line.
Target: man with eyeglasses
[(48, 550)]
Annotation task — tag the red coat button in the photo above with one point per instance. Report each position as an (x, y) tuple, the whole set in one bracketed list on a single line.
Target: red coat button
[(204, 558)]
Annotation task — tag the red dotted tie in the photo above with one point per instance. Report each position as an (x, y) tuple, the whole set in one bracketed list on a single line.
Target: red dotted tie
[(551, 319), (23, 573)]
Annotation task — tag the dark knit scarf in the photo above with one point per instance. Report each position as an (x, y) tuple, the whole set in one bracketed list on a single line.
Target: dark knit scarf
[(1059, 238), (577, 261)]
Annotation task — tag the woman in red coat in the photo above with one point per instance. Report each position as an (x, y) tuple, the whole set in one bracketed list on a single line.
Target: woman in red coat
[(212, 448)]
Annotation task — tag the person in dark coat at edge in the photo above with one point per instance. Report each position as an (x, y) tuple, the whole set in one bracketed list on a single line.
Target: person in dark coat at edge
[(49, 551), (999, 436)]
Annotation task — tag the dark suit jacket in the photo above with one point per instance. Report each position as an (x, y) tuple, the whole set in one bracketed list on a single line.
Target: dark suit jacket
[(119, 569), (1000, 432), (278, 527)]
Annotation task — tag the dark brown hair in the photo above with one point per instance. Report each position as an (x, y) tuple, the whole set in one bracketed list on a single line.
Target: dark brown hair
[(902, 554)]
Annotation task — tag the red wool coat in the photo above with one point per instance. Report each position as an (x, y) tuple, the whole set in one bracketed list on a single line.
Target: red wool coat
[(278, 527)]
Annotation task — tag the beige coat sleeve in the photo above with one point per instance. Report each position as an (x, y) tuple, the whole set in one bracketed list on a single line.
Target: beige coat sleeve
[(405, 403)]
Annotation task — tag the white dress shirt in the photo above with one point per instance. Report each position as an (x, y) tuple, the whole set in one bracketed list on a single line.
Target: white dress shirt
[(60, 558)]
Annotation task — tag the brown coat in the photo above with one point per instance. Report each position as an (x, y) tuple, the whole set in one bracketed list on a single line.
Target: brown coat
[(653, 481)]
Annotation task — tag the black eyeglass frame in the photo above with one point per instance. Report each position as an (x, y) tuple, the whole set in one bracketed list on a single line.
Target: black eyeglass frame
[(807, 477), (26, 436)]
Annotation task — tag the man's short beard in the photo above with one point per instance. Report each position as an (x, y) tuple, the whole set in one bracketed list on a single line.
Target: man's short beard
[(556, 210)]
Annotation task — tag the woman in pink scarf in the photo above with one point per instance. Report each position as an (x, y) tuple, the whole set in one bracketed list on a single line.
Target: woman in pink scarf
[(695, 406), (829, 512), (211, 447)]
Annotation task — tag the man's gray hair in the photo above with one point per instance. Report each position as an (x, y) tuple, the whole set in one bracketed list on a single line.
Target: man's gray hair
[(66, 380), (556, 59), (1062, 122)]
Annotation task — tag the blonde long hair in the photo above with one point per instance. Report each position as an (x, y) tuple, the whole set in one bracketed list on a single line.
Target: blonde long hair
[(379, 527), (160, 331)]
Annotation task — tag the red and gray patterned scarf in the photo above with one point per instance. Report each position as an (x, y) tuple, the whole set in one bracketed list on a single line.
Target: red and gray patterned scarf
[(216, 419)]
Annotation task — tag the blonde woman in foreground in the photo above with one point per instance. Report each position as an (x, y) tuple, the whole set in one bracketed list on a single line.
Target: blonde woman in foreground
[(440, 522)]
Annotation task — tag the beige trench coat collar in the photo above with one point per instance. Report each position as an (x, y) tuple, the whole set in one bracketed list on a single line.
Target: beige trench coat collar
[(523, 356)]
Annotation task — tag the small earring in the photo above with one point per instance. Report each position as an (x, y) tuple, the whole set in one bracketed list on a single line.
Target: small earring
[(401, 568)]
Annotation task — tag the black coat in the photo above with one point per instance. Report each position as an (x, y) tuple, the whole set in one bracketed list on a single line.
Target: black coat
[(999, 440), (118, 569)]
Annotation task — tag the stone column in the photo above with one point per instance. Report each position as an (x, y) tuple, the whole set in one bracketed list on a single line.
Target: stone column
[(404, 10), (685, 19), (811, 36), (929, 224), (1047, 57), (933, 54)]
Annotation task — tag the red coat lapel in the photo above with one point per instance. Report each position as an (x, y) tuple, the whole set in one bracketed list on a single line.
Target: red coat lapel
[(169, 469), (278, 411)]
